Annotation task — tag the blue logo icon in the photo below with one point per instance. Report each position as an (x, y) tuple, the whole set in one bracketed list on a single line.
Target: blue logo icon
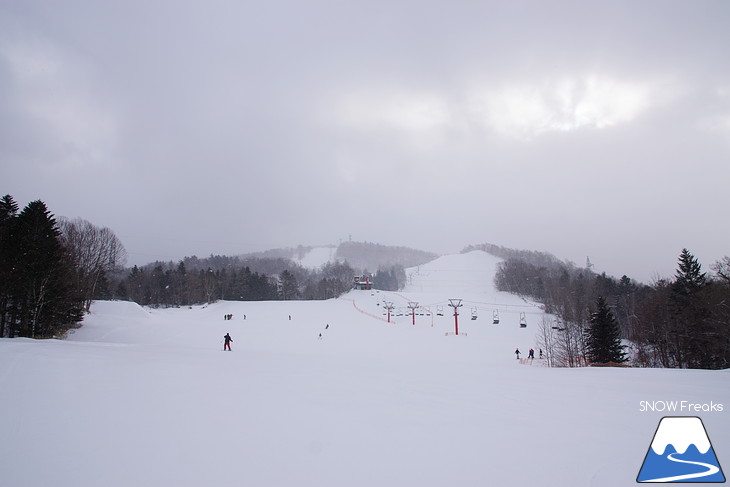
[(681, 452)]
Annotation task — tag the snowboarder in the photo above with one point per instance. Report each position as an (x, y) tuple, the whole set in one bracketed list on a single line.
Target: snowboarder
[(517, 352), (227, 344), (531, 354)]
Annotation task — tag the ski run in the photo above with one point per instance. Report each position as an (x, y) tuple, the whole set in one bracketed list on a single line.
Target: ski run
[(329, 394)]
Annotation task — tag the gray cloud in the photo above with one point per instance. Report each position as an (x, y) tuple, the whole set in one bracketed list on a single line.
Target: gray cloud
[(580, 128)]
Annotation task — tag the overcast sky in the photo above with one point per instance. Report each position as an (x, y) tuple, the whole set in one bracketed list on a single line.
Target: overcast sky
[(580, 128)]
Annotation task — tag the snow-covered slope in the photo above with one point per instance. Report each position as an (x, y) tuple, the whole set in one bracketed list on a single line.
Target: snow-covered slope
[(148, 398), (317, 257)]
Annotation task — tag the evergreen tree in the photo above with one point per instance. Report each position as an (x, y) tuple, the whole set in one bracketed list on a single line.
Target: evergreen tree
[(689, 277), (385, 280), (289, 288), (43, 294), (604, 336), (9, 251), (692, 333)]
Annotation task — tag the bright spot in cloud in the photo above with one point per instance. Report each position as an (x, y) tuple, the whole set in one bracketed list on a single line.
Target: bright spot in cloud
[(522, 110), (529, 109)]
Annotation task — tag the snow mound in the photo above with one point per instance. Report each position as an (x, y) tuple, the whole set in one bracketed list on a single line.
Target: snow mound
[(119, 309)]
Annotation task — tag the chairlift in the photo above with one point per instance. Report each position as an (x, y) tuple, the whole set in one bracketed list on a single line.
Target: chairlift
[(523, 320), (495, 317), (473, 313), (439, 310)]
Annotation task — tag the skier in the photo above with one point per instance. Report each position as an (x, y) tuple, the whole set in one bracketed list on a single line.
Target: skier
[(532, 354), (541, 353), (227, 344), (327, 327), (517, 352)]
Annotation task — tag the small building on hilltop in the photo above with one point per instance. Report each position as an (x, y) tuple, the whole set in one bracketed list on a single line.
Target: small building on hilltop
[(361, 283)]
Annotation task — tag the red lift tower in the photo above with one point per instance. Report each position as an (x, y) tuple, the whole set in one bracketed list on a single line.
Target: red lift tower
[(456, 304), (412, 305), (389, 306)]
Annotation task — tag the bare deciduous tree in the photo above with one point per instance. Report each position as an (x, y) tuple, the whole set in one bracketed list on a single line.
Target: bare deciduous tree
[(722, 269), (547, 339), (93, 252)]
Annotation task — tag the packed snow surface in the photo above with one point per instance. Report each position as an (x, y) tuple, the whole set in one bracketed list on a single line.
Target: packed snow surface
[(146, 397)]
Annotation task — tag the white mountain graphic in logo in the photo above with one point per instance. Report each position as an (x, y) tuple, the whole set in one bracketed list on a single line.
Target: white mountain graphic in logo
[(681, 452)]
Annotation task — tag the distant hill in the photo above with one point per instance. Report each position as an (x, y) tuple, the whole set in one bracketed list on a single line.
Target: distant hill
[(372, 256), (542, 259), (291, 253), (361, 256)]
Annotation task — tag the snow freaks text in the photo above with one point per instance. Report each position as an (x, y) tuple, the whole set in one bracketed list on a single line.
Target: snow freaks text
[(680, 407)]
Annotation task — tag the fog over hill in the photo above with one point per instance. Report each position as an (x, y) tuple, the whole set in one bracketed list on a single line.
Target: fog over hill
[(361, 256)]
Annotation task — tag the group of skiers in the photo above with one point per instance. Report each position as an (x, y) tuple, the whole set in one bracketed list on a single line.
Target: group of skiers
[(227, 341), (227, 337), (531, 353), (230, 317)]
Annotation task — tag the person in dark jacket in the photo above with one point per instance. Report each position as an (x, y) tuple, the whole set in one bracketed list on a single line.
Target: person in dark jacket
[(227, 343)]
